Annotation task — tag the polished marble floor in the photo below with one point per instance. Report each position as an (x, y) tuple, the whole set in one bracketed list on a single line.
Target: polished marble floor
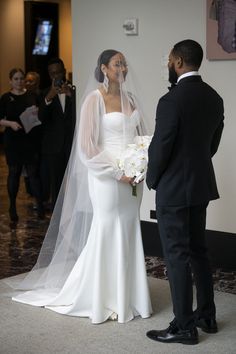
[(224, 280), (20, 243)]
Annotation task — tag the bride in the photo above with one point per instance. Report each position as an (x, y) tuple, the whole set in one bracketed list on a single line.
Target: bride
[(92, 263)]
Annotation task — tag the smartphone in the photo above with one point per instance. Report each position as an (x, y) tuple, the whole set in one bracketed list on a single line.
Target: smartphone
[(59, 82)]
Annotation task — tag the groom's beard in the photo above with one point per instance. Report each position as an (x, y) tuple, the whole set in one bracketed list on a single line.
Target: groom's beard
[(172, 76)]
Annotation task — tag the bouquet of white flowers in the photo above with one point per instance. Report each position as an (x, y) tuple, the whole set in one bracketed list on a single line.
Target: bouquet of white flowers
[(133, 161)]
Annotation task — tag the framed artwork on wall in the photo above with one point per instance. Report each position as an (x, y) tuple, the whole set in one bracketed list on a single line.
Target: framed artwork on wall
[(221, 29)]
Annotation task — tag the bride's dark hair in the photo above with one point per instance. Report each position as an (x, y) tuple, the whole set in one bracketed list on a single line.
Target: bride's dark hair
[(103, 58)]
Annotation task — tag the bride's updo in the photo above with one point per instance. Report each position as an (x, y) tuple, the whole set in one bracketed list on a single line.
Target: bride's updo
[(103, 58)]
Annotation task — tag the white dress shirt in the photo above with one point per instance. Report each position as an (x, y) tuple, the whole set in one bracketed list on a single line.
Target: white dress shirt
[(190, 73)]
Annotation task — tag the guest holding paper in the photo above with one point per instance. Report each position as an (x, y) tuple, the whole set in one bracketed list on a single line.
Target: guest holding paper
[(20, 144)]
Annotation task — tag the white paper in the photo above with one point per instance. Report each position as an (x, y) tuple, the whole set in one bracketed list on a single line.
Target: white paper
[(29, 118)]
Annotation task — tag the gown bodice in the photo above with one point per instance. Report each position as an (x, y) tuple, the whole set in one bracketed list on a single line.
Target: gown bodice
[(118, 130)]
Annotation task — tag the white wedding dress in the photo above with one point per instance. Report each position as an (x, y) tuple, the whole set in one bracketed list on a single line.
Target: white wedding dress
[(109, 278)]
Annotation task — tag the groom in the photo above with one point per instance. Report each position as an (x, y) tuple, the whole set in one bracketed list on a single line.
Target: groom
[(189, 124)]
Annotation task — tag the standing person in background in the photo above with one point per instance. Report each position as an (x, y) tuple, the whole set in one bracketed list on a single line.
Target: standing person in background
[(21, 148), (32, 84), (56, 112), (189, 124), (32, 81)]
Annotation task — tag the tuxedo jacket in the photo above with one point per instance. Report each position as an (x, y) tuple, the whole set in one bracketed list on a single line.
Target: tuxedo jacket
[(58, 126), (189, 124)]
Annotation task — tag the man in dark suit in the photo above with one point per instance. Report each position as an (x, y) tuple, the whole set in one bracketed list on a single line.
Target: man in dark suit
[(189, 124), (57, 113)]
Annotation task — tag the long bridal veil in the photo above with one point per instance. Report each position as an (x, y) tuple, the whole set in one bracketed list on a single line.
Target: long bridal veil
[(71, 219)]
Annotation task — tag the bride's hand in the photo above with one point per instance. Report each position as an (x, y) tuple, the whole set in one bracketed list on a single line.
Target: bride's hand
[(128, 180)]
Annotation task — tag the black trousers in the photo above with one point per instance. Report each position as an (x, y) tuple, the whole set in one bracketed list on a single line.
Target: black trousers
[(13, 181), (182, 233), (56, 164)]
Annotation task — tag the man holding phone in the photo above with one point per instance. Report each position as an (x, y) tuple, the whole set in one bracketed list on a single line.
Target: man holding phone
[(57, 113)]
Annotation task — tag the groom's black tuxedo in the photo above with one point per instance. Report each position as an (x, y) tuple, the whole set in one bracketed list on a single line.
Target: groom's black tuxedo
[(189, 124)]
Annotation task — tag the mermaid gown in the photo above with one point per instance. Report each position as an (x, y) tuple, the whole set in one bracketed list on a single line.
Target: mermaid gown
[(109, 277)]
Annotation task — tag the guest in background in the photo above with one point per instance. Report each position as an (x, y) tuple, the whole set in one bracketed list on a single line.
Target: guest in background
[(21, 148), (32, 82), (56, 112), (32, 85)]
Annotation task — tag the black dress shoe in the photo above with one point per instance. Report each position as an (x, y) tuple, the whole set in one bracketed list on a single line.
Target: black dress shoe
[(207, 325), (174, 335)]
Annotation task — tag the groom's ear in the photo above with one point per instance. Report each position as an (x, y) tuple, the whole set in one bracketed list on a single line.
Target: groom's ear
[(179, 62)]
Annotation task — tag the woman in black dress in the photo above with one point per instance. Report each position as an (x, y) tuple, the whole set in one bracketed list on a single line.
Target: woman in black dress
[(21, 148)]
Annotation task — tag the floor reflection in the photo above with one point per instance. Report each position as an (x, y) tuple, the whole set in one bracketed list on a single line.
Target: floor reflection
[(19, 242)]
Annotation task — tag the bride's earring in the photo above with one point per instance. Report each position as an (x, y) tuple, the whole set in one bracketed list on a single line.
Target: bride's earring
[(105, 82)]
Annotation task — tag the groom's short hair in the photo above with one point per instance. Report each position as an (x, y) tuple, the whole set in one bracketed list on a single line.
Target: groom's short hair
[(190, 51)]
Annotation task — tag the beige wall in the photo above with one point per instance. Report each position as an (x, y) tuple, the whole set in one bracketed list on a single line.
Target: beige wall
[(65, 33), (12, 37)]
